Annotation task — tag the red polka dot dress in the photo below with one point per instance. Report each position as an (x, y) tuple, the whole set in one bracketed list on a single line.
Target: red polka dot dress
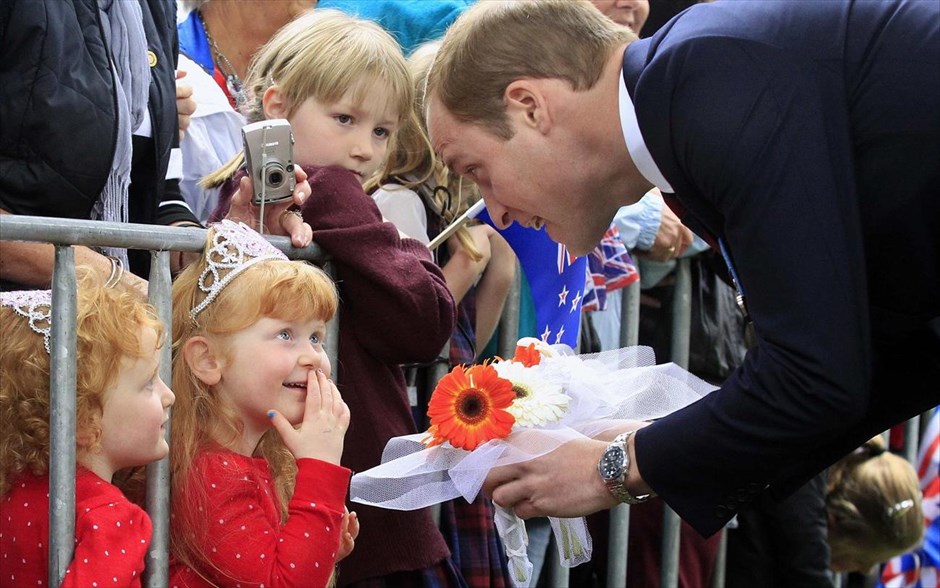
[(111, 534), (238, 524)]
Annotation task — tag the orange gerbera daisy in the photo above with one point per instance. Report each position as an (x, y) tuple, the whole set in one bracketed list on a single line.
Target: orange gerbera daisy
[(468, 408), (527, 356)]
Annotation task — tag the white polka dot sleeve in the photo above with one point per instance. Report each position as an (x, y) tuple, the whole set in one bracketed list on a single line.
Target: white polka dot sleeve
[(244, 538)]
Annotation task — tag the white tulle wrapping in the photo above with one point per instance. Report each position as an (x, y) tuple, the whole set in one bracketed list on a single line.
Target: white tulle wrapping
[(605, 388)]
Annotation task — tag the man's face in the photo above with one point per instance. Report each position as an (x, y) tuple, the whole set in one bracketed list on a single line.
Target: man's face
[(532, 178), (631, 13)]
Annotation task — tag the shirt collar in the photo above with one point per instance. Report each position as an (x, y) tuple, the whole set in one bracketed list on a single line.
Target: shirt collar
[(635, 143)]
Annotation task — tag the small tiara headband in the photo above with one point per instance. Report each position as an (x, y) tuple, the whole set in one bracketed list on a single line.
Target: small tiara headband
[(33, 305), (235, 247)]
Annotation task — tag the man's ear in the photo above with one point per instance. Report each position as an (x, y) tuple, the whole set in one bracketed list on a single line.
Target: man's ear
[(202, 360), (273, 103), (528, 104)]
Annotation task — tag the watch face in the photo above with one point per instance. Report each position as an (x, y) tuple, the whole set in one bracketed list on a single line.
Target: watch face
[(611, 465)]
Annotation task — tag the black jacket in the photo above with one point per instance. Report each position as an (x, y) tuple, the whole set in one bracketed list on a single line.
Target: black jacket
[(58, 111), (806, 136)]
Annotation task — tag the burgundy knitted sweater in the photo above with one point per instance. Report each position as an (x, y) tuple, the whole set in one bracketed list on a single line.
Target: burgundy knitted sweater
[(395, 308)]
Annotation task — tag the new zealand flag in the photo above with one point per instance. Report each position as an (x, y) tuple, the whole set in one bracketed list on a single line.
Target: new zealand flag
[(556, 280)]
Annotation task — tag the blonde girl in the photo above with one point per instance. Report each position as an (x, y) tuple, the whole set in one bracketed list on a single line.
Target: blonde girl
[(874, 508), (121, 416), (259, 427), (326, 58), (344, 86)]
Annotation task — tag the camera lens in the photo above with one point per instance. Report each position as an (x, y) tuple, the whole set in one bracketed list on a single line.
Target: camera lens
[(275, 177)]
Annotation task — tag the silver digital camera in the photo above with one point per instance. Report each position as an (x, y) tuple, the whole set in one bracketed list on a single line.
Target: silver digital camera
[(269, 157)]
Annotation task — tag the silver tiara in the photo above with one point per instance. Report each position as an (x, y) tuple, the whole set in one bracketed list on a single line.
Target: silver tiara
[(235, 247), (35, 306)]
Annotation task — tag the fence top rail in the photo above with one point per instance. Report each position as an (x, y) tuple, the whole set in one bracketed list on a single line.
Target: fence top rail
[(66, 231)]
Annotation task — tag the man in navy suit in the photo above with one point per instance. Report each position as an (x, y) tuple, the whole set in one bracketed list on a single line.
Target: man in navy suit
[(803, 138)]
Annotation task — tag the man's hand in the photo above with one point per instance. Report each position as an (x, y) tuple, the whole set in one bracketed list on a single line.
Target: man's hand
[(564, 483)]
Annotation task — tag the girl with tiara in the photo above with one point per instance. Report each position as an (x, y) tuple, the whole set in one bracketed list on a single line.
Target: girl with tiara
[(344, 86), (257, 492), (122, 409)]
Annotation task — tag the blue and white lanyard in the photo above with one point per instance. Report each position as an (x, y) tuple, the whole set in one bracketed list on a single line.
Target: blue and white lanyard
[(739, 297)]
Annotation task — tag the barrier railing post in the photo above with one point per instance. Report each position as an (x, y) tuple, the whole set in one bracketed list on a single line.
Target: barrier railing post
[(509, 320), (618, 538), (63, 380), (681, 325), (912, 436), (561, 576), (156, 572), (331, 346), (721, 560)]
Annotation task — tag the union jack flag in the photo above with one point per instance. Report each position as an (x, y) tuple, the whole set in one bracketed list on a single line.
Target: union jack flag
[(918, 569), (609, 268)]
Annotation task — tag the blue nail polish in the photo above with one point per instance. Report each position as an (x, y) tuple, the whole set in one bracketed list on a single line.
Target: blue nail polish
[(270, 414)]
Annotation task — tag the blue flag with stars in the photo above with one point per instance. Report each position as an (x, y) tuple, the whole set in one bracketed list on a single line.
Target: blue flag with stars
[(556, 280)]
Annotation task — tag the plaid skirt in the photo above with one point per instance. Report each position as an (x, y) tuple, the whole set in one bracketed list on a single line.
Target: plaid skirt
[(477, 558)]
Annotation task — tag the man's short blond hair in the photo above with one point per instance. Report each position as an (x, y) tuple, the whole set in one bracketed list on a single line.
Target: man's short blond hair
[(495, 43)]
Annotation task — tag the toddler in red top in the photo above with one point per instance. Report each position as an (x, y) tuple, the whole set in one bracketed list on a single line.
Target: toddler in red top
[(121, 415), (258, 430), (343, 85)]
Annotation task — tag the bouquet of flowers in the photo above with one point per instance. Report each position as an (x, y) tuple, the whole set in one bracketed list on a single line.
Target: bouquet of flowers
[(508, 411)]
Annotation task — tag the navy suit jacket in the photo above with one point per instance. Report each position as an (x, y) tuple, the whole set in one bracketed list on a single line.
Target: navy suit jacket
[(805, 135)]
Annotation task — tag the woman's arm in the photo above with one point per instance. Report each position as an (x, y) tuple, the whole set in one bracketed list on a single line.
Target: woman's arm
[(30, 264)]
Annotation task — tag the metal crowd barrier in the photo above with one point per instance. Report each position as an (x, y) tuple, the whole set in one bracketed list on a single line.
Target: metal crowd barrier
[(619, 518), (63, 233)]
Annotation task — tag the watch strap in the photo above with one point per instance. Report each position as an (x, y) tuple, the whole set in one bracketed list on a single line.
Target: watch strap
[(617, 486)]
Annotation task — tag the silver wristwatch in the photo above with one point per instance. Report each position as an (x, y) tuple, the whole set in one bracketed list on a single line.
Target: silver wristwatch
[(614, 467)]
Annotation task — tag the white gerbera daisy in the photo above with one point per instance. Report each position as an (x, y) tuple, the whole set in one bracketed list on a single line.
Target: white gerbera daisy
[(537, 402)]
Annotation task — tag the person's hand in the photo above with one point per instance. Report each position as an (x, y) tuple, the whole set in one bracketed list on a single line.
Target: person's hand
[(322, 431), (185, 103), (280, 218), (179, 260), (564, 483), (672, 239), (481, 235), (347, 540)]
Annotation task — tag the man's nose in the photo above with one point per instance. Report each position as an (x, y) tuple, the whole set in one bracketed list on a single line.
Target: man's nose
[(498, 214)]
